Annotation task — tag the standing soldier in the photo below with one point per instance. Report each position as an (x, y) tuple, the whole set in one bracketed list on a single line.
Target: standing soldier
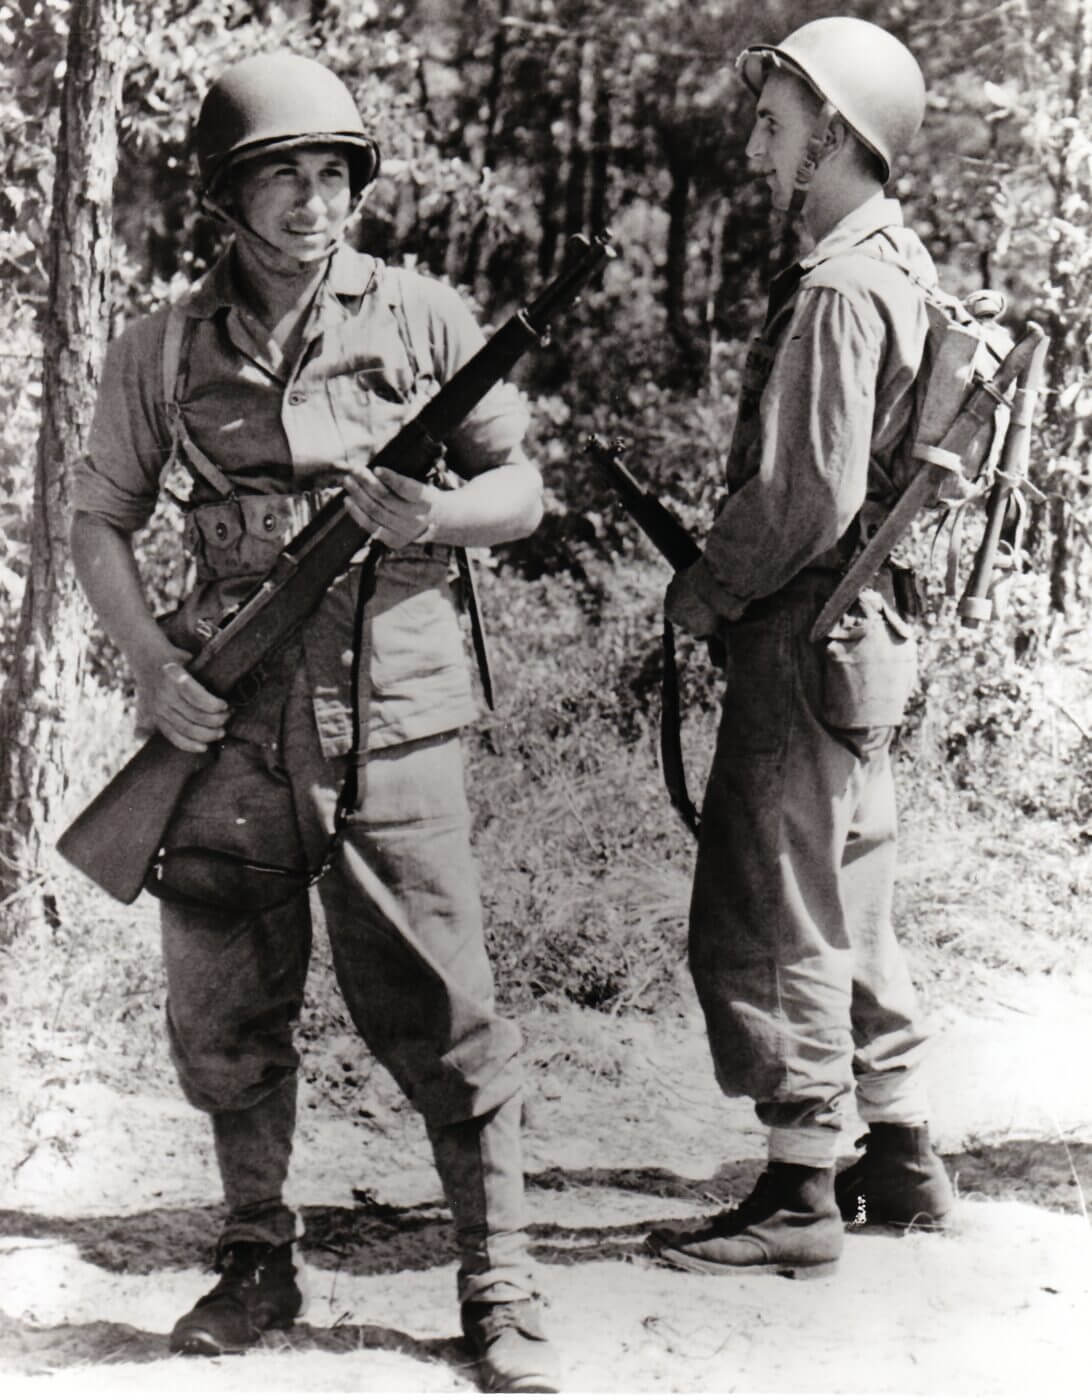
[(268, 388), (805, 991)]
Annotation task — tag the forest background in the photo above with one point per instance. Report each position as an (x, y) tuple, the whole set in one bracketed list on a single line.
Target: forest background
[(507, 126)]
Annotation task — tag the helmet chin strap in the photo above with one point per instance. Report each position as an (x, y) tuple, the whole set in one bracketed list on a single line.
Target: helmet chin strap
[(809, 161), (805, 173), (275, 260)]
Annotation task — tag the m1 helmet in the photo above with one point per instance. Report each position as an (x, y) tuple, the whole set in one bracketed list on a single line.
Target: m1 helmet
[(866, 74), (275, 101)]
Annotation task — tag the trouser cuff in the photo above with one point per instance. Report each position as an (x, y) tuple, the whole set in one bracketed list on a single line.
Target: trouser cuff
[(807, 1147), (502, 1285), (265, 1222), (886, 1099)]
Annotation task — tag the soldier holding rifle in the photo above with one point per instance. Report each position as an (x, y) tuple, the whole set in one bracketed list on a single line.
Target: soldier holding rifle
[(265, 392), (805, 991)]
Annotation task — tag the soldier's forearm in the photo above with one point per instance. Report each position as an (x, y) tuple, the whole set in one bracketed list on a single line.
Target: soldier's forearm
[(107, 572)]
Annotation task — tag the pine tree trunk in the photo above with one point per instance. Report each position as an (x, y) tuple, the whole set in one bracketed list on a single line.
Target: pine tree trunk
[(678, 150), (581, 128), (40, 707), (598, 197)]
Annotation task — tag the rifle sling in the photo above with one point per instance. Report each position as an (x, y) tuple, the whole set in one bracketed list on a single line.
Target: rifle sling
[(671, 736), (477, 626)]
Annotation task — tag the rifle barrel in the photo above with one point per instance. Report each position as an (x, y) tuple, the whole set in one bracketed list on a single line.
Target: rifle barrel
[(116, 838)]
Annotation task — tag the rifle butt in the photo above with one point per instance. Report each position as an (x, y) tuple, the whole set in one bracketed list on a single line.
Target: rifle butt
[(116, 837)]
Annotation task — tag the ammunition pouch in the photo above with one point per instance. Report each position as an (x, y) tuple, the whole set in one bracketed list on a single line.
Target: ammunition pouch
[(242, 536)]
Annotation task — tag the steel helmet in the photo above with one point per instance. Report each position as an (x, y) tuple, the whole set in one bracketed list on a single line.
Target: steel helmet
[(871, 78), (274, 101)]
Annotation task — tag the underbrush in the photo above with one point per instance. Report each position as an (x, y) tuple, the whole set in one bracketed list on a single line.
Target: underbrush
[(586, 869)]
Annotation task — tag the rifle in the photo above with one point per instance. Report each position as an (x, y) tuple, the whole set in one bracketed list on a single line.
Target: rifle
[(670, 536), (665, 530), (117, 837)]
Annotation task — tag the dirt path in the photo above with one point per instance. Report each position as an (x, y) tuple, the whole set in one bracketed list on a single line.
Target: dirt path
[(101, 1224)]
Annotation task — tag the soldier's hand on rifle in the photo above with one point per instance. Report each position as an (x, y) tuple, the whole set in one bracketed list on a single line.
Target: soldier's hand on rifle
[(393, 508), (686, 608), (183, 711)]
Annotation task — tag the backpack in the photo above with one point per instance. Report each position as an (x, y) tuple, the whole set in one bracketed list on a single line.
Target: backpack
[(968, 440), (968, 437)]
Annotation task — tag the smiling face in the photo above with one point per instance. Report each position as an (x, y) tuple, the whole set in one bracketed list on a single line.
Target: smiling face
[(298, 200), (783, 122)]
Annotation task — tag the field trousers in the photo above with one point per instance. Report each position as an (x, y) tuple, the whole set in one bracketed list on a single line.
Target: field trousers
[(403, 915), (806, 994)]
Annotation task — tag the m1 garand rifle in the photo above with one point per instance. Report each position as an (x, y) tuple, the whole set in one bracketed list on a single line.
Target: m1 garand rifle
[(664, 529), (670, 536), (115, 840)]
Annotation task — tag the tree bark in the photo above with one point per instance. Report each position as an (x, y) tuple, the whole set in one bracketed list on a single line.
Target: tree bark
[(582, 136), (598, 196), (40, 705), (678, 150)]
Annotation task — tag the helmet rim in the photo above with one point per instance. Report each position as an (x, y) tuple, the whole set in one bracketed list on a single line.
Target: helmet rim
[(884, 118), (277, 101), (355, 148)]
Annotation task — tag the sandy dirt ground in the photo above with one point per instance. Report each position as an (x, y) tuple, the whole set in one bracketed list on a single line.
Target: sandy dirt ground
[(106, 1224)]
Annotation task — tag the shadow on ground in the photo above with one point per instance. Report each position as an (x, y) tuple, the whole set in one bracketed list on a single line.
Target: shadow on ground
[(41, 1350), (373, 1238)]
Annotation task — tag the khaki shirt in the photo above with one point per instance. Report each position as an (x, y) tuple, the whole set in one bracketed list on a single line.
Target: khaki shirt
[(827, 399), (285, 428)]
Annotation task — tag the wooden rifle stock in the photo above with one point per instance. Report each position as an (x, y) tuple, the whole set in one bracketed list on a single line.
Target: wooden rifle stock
[(116, 839)]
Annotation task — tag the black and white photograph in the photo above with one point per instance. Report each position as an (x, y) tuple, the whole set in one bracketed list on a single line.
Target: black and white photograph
[(617, 472)]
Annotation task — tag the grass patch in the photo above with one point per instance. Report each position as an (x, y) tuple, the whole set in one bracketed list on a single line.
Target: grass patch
[(586, 870)]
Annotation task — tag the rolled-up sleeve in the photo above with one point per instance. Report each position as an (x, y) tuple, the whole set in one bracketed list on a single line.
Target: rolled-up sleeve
[(816, 416), (492, 433), (118, 480)]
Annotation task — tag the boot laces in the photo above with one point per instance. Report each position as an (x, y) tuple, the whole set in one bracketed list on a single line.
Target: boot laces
[(490, 1320)]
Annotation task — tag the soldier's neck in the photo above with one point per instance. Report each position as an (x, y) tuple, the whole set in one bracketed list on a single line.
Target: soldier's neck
[(829, 202), (279, 290)]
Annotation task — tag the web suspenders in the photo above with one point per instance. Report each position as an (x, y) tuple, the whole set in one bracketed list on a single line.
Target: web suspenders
[(184, 451), (186, 454)]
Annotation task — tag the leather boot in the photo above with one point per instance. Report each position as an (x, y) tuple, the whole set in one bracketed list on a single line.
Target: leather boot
[(257, 1292), (788, 1225), (899, 1181), (513, 1354)]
